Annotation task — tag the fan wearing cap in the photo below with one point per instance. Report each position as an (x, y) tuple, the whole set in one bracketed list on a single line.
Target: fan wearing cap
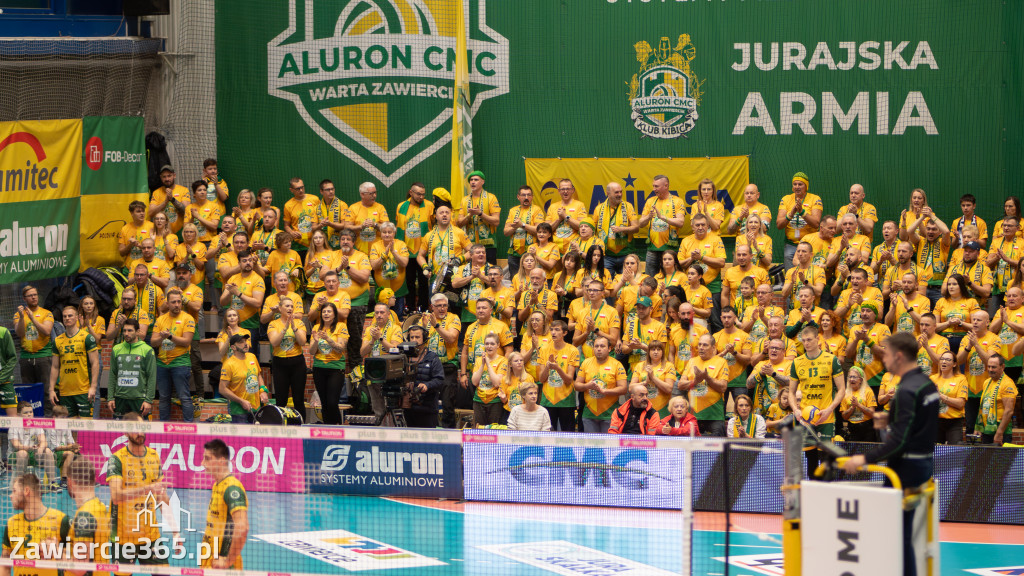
[(479, 215), (799, 215), (191, 303), (977, 275), (241, 381), (387, 296), (172, 199), (865, 345), (640, 331)]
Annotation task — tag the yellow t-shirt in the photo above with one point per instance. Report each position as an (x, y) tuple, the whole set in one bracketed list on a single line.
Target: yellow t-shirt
[(605, 318), (766, 391), (865, 396), (978, 273), (564, 234), (301, 215), (521, 239), (700, 297), (954, 228), (289, 347), (487, 391), (283, 262), (181, 255), (358, 293), (866, 211), (249, 285), (340, 300), (733, 275), (938, 344), (435, 342), (273, 299), (139, 233), (179, 193), (946, 310), (211, 211), (533, 357), (714, 209), (975, 372), (607, 375), (865, 359), (35, 344), (479, 231), (758, 210), (413, 223), (1004, 273), (706, 402), (549, 252), (157, 268), (903, 321), (359, 213), (178, 325), (477, 332), (665, 372), (223, 337), (510, 387), (260, 236), (740, 341), (991, 412), (684, 343), (954, 387), (73, 354), (814, 380), (391, 274), (814, 274), (884, 265), (326, 355), (556, 392), (709, 246), (932, 260), (242, 378), (654, 331), (797, 226), (165, 247), (337, 212), (661, 235), (623, 215), (391, 334), (314, 281), (889, 384), (443, 245), (853, 320)]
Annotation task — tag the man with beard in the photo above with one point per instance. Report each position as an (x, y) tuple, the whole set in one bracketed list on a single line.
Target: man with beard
[(616, 223), (504, 297), (127, 311), (132, 382), (159, 270), (330, 214), (684, 336), (172, 199), (906, 304), (479, 215), (470, 279), (932, 252), (76, 367), (763, 382), (137, 487), (172, 337), (565, 215), (30, 539), (244, 292), (414, 219), (706, 378), (192, 303)]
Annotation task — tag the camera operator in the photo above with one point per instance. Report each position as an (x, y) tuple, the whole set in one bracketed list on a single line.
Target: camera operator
[(425, 381)]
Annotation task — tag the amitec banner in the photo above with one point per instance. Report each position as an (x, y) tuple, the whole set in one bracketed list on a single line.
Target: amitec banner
[(590, 176), (40, 177), (65, 186)]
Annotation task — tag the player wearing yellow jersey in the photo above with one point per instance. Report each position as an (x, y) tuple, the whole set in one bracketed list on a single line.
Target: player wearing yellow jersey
[(31, 533), (227, 517), (820, 379), (137, 486), (76, 367), (90, 528)]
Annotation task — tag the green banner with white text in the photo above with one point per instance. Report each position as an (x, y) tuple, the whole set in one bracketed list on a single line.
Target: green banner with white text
[(891, 95)]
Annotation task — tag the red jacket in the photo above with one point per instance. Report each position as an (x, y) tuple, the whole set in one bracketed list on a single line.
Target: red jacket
[(689, 424), (649, 419)]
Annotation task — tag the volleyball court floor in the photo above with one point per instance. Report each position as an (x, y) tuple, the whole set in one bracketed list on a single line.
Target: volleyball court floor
[(333, 534)]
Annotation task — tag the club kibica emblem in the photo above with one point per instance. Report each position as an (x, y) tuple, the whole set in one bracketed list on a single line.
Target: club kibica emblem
[(665, 93)]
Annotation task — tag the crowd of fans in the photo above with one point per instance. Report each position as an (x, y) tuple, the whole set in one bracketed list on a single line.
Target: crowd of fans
[(583, 319)]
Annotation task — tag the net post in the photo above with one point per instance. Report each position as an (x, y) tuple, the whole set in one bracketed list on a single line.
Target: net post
[(728, 498), (686, 549)]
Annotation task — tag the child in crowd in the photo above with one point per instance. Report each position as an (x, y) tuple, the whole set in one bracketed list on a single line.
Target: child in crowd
[(63, 445)]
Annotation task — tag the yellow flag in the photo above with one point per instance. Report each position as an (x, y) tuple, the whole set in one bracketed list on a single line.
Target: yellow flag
[(462, 129)]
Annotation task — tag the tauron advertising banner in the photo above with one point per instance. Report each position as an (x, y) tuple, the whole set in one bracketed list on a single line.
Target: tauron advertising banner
[(890, 95), (113, 175), (40, 175)]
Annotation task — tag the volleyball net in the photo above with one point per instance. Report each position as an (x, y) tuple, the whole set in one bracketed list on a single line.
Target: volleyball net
[(194, 499)]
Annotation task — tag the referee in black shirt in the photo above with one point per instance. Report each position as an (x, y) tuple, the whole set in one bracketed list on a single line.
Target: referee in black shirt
[(909, 445)]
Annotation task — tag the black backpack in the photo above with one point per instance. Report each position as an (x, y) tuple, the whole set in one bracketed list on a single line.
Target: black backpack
[(157, 157)]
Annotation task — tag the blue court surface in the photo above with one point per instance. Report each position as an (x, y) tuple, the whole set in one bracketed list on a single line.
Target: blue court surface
[(331, 534)]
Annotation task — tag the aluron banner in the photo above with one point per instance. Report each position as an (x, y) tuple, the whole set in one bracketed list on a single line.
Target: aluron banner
[(384, 468), (40, 176)]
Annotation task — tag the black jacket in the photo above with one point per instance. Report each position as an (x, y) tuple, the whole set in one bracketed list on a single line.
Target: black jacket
[(913, 419), (430, 371)]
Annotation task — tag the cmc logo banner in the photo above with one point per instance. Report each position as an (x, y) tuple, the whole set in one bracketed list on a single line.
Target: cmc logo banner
[(261, 464), (375, 79), (572, 475), (384, 468)]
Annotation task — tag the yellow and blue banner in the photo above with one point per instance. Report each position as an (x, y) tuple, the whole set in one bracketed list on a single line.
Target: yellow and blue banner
[(590, 176)]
